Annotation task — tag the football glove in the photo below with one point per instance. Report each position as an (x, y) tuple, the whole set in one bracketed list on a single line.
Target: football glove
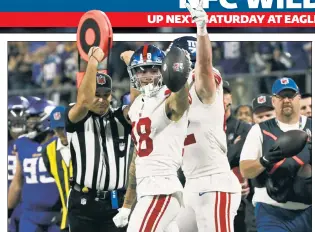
[(199, 16), (270, 158), (121, 219)]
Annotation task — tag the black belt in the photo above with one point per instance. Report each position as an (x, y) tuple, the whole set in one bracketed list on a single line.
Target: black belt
[(98, 194)]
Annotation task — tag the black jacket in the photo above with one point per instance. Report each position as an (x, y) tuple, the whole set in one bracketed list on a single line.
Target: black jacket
[(234, 129)]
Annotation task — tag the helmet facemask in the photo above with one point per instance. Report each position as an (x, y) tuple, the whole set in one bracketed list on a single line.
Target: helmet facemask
[(38, 123), (146, 78), (17, 121)]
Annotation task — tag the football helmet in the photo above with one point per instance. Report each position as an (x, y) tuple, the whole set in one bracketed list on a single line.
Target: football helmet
[(188, 43), (144, 69), (38, 116), (17, 106)]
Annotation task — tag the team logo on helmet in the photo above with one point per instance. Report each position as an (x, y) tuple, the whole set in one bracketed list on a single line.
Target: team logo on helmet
[(100, 79), (57, 116), (261, 99), (192, 46), (284, 81)]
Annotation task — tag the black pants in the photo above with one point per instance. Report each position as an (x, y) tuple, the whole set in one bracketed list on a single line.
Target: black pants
[(86, 214), (244, 221)]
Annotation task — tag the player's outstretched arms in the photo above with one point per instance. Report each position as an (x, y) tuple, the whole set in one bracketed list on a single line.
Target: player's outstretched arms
[(178, 103), (121, 219), (16, 186), (205, 82), (176, 68), (87, 89)]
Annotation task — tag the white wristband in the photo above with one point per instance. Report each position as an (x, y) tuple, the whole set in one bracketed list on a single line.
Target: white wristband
[(201, 31)]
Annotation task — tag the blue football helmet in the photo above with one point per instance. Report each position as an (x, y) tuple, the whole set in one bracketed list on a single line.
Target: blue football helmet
[(32, 99), (38, 116), (188, 43), (145, 69), (17, 106)]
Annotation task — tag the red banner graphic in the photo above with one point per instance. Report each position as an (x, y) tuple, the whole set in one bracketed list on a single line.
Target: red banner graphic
[(155, 19)]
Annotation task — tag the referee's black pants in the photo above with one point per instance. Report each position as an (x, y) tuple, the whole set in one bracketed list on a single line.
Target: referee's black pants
[(85, 214)]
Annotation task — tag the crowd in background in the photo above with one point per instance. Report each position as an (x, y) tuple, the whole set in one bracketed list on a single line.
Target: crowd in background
[(51, 65)]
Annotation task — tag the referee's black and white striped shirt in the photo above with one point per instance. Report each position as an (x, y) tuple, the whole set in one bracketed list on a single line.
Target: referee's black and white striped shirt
[(100, 150)]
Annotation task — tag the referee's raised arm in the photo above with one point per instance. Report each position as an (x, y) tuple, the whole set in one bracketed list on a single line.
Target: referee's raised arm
[(87, 89)]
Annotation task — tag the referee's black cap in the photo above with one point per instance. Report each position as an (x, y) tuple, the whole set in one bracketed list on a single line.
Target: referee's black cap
[(104, 82)]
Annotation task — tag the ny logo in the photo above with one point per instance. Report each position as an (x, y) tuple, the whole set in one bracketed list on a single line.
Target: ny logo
[(192, 46)]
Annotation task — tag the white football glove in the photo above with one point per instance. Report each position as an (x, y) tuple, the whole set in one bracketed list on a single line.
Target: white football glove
[(198, 15), (121, 219)]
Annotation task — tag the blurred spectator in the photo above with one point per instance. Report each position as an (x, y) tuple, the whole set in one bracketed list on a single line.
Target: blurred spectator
[(300, 54), (270, 57), (36, 46), (68, 68), (306, 104), (233, 59), (244, 113), (280, 60), (69, 65), (19, 66), (52, 67)]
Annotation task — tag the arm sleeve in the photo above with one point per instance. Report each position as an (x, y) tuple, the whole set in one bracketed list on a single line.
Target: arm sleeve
[(252, 148), (120, 116), (118, 113), (234, 150), (70, 126)]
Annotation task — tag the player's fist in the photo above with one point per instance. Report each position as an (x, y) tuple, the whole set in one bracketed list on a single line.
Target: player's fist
[(176, 67), (97, 53), (126, 56)]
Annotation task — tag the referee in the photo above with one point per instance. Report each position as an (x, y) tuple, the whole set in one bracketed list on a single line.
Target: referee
[(56, 157), (99, 146)]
